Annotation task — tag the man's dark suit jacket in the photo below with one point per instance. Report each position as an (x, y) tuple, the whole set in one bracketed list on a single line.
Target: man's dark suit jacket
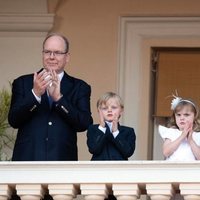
[(104, 146), (44, 133)]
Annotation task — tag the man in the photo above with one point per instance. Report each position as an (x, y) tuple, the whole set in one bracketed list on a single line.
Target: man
[(49, 107)]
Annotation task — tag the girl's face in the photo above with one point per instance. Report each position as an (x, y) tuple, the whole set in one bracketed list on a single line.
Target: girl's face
[(111, 110), (184, 117)]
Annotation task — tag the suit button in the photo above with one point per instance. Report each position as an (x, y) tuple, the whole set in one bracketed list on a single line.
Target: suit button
[(47, 139), (50, 123)]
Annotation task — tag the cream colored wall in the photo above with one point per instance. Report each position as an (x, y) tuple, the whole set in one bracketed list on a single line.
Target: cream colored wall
[(22, 30), (23, 6), (12, 48), (93, 30), (23, 26)]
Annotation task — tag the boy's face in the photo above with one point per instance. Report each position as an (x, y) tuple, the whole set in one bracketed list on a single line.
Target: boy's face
[(111, 110)]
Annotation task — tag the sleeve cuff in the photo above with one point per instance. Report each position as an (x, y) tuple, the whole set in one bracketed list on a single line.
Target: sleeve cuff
[(37, 98), (115, 134), (103, 129)]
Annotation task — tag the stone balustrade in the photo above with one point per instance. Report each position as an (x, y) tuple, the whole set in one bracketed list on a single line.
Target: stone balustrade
[(127, 180)]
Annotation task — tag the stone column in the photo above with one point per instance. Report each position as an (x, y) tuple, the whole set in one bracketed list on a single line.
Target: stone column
[(5, 192), (190, 191), (160, 191), (30, 191), (63, 191), (94, 191), (126, 191)]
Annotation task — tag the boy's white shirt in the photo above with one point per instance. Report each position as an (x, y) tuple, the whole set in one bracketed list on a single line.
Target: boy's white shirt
[(103, 129)]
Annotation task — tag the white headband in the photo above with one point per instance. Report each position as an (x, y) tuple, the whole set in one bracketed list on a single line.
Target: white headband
[(178, 100)]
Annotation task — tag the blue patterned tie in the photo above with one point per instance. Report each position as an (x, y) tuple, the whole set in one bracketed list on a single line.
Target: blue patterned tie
[(50, 101)]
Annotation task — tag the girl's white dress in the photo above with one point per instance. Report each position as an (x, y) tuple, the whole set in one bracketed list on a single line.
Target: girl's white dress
[(183, 152)]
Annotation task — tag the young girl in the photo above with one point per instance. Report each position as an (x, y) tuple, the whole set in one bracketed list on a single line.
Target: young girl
[(182, 138), (108, 140)]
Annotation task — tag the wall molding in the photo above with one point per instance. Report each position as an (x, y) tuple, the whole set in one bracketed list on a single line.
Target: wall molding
[(26, 22), (137, 36)]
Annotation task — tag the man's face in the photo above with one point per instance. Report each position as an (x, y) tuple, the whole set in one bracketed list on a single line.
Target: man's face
[(54, 54)]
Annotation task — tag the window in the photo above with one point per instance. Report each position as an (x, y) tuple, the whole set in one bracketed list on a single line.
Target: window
[(176, 70)]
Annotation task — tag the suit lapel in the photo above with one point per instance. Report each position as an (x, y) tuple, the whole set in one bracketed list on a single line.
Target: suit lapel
[(66, 87), (66, 84)]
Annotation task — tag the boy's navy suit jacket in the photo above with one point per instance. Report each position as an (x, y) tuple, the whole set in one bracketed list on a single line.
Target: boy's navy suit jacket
[(103, 146)]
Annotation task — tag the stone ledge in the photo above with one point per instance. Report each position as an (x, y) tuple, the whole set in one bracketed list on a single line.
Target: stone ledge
[(26, 22)]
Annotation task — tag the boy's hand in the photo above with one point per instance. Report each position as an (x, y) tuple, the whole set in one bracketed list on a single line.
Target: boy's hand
[(115, 123), (101, 118)]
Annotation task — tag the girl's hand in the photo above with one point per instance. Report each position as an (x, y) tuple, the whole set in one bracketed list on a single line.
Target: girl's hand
[(188, 129), (190, 136), (190, 132)]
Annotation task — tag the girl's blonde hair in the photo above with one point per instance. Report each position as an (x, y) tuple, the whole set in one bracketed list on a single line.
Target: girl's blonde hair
[(195, 110), (108, 95)]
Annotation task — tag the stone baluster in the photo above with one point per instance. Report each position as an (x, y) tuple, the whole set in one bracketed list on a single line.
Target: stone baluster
[(190, 191), (63, 191), (126, 191), (5, 192), (30, 191), (160, 191), (94, 191)]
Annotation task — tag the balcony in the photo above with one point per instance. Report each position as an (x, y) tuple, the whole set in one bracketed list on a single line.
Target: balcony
[(127, 180)]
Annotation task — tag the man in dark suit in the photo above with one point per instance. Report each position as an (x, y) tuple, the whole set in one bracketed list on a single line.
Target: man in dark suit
[(49, 107)]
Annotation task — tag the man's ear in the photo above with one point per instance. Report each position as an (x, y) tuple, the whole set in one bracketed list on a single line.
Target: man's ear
[(67, 57)]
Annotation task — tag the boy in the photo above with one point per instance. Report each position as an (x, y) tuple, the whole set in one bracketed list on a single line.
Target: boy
[(109, 140)]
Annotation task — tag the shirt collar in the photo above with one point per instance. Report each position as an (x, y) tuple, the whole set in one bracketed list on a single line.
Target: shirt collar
[(60, 75), (109, 125)]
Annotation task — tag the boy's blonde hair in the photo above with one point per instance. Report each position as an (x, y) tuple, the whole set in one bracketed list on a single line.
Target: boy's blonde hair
[(108, 95)]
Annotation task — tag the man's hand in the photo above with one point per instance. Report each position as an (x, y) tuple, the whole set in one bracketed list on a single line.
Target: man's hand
[(40, 82), (54, 87)]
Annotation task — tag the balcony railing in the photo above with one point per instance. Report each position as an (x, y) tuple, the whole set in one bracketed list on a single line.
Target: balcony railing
[(127, 180)]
